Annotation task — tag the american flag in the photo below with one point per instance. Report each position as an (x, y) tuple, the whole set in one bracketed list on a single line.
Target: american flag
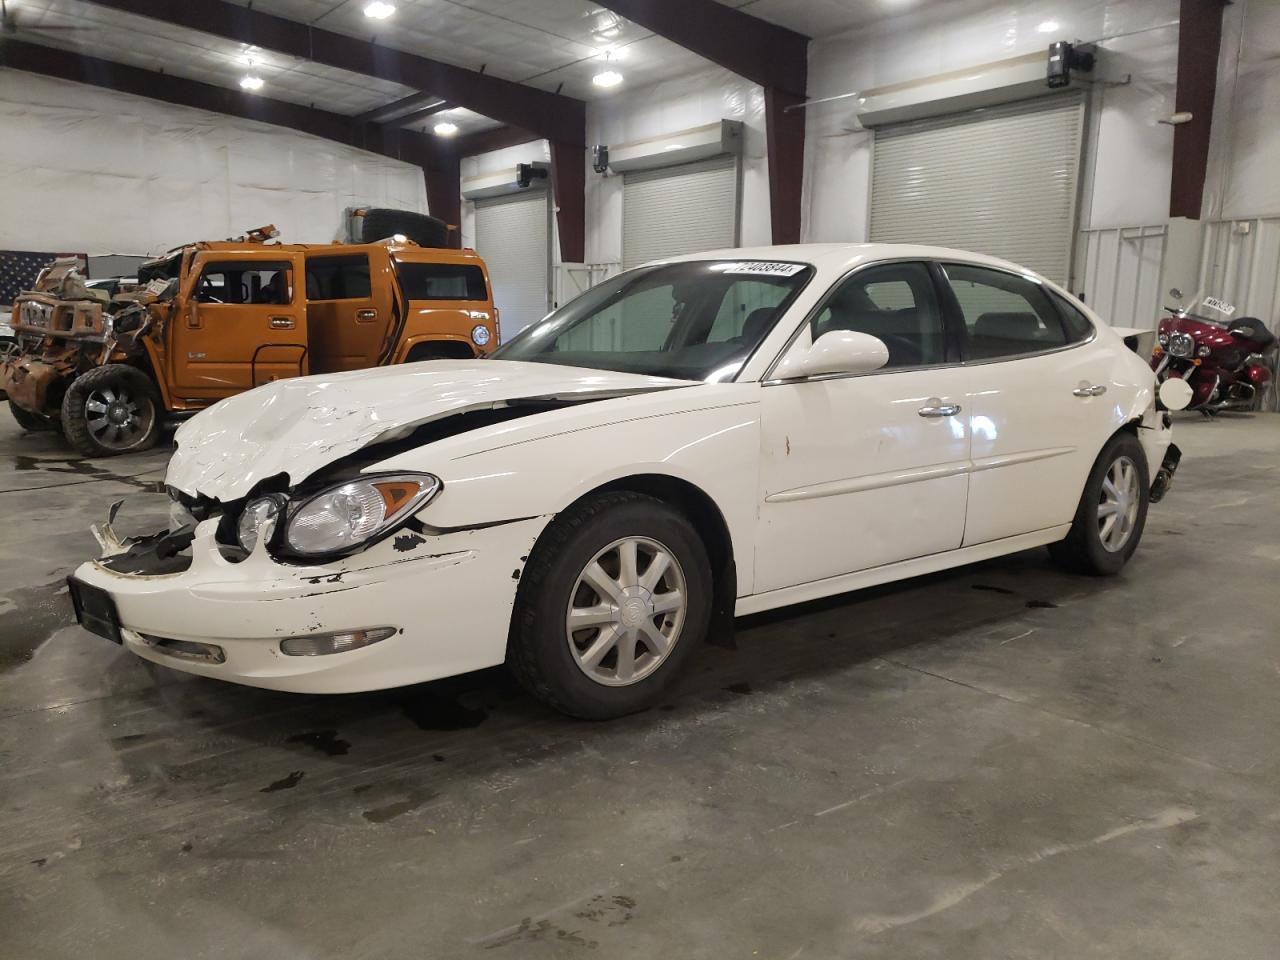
[(19, 268)]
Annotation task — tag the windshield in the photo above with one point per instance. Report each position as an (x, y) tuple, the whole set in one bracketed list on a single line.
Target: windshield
[(697, 320)]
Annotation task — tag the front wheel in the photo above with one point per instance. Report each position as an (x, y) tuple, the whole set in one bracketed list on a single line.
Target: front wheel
[(31, 422), (615, 597), (110, 410), (1112, 513)]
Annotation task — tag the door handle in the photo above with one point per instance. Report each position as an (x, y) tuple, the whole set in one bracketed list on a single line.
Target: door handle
[(938, 409), (282, 323), (1087, 390), (366, 316)]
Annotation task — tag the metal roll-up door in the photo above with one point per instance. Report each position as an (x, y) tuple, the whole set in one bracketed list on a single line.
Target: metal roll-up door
[(683, 209), (513, 234), (1000, 181)]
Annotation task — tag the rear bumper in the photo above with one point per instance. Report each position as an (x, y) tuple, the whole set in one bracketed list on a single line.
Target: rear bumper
[(1156, 436), (1163, 478), (449, 597)]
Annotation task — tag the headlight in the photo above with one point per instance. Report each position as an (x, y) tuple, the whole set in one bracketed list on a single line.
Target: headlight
[(1182, 344), (256, 514), (348, 516), (480, 334), (1204, 350)]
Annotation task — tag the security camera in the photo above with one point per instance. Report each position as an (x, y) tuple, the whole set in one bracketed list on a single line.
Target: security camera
[(1065, 57), (600, 158)]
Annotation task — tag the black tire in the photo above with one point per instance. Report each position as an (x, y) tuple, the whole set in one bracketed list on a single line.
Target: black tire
[(439, 350), (539, 648), (379, 223), (93, 437), (1083, 550), (31, 422)]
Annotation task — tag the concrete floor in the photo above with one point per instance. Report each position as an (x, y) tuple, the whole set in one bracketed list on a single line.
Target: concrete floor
[(1001, 761)]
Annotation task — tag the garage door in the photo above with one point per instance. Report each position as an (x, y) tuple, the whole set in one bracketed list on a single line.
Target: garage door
[(1000, 181), (683, 209), (513, 234)]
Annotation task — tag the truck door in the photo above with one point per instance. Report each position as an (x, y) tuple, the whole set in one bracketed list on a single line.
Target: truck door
[(349, 308), (242, 323)]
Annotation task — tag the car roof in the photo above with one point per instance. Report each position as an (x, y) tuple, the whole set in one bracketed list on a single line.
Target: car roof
[(848, 255)]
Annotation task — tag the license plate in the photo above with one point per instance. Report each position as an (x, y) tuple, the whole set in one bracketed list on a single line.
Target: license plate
[(95, 610)]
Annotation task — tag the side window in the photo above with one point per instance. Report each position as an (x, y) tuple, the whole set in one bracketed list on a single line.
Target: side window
[(895, 302), (244, 281), (1079, 327), (1005, 315), (441, 281), (338, 278)]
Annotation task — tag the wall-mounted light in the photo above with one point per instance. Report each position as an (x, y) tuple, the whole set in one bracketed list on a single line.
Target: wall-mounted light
[(445, 129), (377, 10), (1048, 26)]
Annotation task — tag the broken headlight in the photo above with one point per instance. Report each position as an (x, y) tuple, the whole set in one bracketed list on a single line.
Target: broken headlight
[(257, 514), (350, 515)]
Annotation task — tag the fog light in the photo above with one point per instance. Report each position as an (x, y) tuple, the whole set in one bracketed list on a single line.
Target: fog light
[(321, 644), (186, 649)]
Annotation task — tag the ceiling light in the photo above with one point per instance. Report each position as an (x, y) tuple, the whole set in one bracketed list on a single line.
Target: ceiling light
[(1049, 26), (445, 129), (251, 82), (377, 10), (607, 78)]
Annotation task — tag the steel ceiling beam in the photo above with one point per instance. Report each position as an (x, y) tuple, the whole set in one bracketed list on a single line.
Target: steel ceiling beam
[(551, 115), (398, 108), (1199, 36), (762, 52)]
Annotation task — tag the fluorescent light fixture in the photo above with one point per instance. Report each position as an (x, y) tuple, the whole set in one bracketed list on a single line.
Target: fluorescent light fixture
[(377, 10), (607, 78), (445, 129), (251, 82), (1048, 26)]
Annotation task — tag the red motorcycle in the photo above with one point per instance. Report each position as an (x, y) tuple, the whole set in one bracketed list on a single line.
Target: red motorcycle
[(1222, 361)]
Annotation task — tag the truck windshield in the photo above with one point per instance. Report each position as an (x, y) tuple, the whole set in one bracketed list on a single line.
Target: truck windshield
[(696, 320)]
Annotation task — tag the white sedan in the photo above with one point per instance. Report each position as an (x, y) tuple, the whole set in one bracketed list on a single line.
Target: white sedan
[(704, 437)]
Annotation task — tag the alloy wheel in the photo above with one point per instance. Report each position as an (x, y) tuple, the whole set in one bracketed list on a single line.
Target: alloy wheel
[(116, 418), (626, 611), (1118, 505)]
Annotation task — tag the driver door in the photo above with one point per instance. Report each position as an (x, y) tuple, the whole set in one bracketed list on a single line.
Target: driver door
[(863, 470), (242, 323)]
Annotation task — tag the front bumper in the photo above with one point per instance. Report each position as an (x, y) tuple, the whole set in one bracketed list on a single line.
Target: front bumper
[(450, 597)]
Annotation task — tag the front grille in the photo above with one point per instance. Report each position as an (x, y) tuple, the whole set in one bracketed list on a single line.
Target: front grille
[(1181, 345), (37, 315)]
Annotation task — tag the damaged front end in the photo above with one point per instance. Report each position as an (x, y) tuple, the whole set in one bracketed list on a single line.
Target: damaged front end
[(63, 328)]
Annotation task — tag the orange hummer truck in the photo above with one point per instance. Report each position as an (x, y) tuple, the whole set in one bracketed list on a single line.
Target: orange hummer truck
[(212, 319)]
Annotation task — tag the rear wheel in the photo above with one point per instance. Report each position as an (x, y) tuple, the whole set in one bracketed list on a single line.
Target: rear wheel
[(1112, 513), (439, 350), (615, 597), (110, 410), (31, 422)]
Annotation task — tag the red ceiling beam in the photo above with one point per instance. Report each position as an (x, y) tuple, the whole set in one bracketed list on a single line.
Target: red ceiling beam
[(762, 52), (553, 116), (1199, 36)]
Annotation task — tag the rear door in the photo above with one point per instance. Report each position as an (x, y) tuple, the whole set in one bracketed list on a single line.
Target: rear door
[(1038, 405), (348, 309), (243, 323)]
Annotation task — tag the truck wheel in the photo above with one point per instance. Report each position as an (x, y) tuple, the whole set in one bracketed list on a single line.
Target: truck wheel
[(112, 409), (615, 596), (440, 350), (1112, 512), (31, 422), (426, 231)]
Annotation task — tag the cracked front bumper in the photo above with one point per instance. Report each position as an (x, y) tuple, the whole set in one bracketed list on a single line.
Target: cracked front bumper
[(449, 597)]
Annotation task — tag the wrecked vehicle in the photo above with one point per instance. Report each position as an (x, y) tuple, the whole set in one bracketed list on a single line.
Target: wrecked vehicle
[(713, 435), (212, 319)]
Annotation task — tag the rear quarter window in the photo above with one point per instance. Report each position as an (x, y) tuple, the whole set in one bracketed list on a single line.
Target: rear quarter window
[(441, 281), (1078, 326)]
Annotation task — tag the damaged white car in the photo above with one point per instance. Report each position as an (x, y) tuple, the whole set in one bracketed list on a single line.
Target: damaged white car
[(708, 436)]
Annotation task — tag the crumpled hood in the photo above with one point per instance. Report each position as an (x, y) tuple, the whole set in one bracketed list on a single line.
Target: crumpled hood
[(298, 426)]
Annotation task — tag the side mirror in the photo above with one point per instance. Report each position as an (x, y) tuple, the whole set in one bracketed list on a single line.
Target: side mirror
[(840, 351)]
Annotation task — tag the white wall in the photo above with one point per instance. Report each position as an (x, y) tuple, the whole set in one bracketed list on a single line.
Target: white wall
[(1244, 157), (92, 170), (1130, 182)]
